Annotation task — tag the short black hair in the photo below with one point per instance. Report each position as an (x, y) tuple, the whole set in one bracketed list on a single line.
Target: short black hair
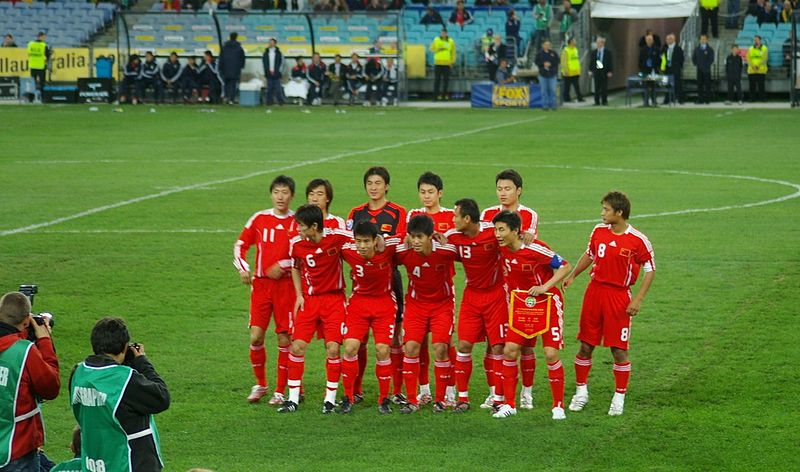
[(469, 207), (282, 181), (420, 224), (321, 183), (618, 201), (379, 171), (234, 35), (110, 336), (173, 53), (510, 218), (208, 53), (509, 174), (148, 53), (431, 179), (309, 215), (366, 228)]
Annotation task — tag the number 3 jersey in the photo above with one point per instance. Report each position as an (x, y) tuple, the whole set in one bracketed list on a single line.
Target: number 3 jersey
[(619, 257), (371, 277)]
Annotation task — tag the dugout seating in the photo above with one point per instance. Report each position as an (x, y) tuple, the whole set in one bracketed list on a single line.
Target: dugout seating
[(774, 36), (67, 23)]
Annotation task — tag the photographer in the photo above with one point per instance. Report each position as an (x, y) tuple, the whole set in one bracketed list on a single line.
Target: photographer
[(28, 373), (114, 394)]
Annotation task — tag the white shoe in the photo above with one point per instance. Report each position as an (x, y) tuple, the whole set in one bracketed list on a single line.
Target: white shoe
[(558, 413), (616, 408), (505, 411), (578, 402), (277, 399), (526, 402), (489, 402), (256, 393), (424, 398)]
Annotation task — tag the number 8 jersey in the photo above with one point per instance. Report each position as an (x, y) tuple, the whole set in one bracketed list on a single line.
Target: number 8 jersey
[(619, 257)]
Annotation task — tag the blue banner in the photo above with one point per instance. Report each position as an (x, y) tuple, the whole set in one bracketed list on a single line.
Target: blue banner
[(489, 95)]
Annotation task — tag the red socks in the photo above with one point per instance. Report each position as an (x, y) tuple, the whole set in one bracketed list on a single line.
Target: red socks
[(582, 368), (383, 370), (555, 373), (349, 374), (622, 373), (442, 371), (424, 363), (362, 367), (283, 369), (510, 372), (411, 375), (451, 354), (396, 356), (488, 368), (258, 359), (463, 373), (528, 363), (497, 369), (296, 367)]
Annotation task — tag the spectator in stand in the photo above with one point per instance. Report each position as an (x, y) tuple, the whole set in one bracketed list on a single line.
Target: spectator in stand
[(733, 75), (172, 5), (756, 9), (786, 12), (390, 80), (542, 14), (376, 5), (709, 13), (547, 61), (483, 3), (396, 4), (315, 74), (656, 39), (209, 78), (297, 87), (649, 62), (431, 17), (324, 5), (376, 47), (209, 5), (571, 70), (503, 75), (672, 66), (336, 79), (373, 75), (355, 5), (150, 77), (497, 51), (601, 68), (8, 41), (512, 30), (231, 63), (460, 15), (273, 67), (129, 77), (703, 58), (224, 5), (354, 75), (340, 6), (770, 14), (757, 69), (444, 56), (190, 80), (566, 21), (171, 76), (487, 40)]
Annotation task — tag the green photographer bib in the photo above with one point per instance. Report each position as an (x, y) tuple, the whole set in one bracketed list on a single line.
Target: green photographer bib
[(74, 465), (95, 395), (12, 363)]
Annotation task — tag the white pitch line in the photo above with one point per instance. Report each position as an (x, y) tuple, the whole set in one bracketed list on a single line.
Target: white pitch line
[(137, 231), (335, 157), (156, 161)]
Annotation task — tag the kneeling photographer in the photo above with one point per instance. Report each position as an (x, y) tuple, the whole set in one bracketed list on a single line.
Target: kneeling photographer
[(28, 374), (114, 394)]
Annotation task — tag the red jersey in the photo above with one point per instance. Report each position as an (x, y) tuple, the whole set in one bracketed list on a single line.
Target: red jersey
[(479, 255), (270, 233), (334, 222), (320, 264), (371, 277), (442, 219), (530, 219), (618, 257), (532, 264), (430, 278), (390, 218)]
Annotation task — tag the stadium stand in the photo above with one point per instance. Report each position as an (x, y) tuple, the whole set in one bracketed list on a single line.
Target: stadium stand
[(67, 23), (774, 36)]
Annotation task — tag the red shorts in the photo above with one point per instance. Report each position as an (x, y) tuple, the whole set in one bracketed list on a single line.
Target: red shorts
[(552, 338), (321, 313), (421, 318), (604, 316), (364, 313), (483, 314), (268, 297)]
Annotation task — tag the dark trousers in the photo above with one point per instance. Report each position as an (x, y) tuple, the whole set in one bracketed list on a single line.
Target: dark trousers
[(709, 16), (703, 86), (39, 76), (732, 19), (649, 93), (314, 92), (572, 82), (127, 86), (757, 91), (374, 91), (274, 90), (189, 86), (491, 67), (735, 90), (173, 89), (214, 88), (600, 88), (441, 81), (677, 87), (143, 84), (231, 88)]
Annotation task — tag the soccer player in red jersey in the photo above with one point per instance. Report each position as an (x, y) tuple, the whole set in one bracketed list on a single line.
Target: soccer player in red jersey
[(484, 310), (391, 220), (319, 287), (508, 185), (536, 269), (319, 192), (430, 306), (617, 252), (371, 306), (430, 188), (272, 292)]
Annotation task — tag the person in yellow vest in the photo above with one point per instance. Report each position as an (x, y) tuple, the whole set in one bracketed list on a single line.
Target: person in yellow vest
[(444, 56), (38, 55), (757, 70), (571, 70), (576, 4), (709, 11)]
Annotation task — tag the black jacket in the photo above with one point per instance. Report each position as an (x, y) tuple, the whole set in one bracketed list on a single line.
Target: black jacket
[(608, 61), (150, 70), (231, 60), (145, 395), (340, 73), (316, 73), (733, 68), (278, 63), (703, 58), (649, 59), (435, 19), (171, 72), (374, 70), (676, 65), (551, 56)]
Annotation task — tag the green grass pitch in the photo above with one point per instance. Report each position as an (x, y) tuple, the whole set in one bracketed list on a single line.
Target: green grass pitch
[(714, 350)]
